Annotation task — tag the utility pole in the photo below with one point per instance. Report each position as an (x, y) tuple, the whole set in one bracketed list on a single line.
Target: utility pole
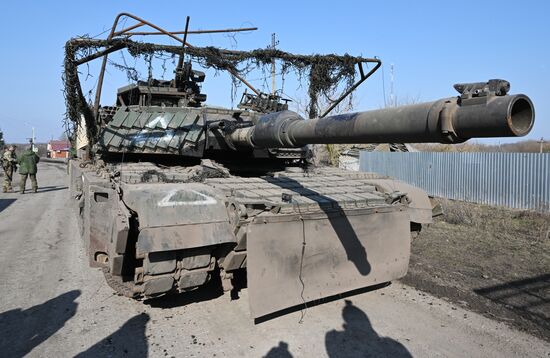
[(392, 96), (541, 144), (273, 45), (32, 138)]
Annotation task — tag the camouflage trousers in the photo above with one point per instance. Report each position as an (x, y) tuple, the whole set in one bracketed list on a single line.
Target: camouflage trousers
[(8, 176), (24, 182)]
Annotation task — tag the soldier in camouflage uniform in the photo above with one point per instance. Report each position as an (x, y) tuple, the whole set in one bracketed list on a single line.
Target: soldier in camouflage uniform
[(9, 164), (27, 167)]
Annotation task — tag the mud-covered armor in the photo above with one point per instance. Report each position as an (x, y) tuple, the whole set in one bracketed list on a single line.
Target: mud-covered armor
[(178, 193)]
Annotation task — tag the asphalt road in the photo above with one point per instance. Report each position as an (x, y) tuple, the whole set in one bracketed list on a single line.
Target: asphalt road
[(53, 305)]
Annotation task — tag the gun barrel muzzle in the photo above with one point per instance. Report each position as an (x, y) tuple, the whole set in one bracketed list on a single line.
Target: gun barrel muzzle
[(449, 120)]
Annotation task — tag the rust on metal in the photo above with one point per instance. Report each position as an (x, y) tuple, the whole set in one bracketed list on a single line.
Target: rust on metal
[(191, 32)]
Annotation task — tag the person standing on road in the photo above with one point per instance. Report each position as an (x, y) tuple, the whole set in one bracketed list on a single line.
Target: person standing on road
[(9, 164), (27, 167)]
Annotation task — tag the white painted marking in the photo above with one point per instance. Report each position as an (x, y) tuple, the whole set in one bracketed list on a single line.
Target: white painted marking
[(167, 200), (155, 121), (167, 137), (141, 136)]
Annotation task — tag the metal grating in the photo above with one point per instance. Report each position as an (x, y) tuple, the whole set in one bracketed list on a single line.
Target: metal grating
[(515, 180)]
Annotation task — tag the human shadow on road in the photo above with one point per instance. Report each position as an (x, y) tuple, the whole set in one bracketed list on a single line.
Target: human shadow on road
[(22, 330), (4, 203), (128, 341), (359, 339), (280, 351)]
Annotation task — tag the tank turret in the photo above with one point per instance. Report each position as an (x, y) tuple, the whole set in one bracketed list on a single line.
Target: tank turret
[(263, 127)]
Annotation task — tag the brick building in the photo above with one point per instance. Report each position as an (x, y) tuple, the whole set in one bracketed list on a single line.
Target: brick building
[(58, 149)]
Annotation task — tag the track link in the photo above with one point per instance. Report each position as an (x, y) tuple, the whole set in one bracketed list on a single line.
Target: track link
[(116, 284)]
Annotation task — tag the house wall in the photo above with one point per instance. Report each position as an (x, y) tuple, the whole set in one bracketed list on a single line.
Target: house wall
[(59, 154)]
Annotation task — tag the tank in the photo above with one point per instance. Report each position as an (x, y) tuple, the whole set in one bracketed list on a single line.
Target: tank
[(178, 195)]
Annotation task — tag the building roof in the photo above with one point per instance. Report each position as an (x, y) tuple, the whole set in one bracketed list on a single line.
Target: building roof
[(59, 145)]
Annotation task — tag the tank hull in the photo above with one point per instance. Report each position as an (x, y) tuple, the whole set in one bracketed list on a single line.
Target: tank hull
[(299, 236)]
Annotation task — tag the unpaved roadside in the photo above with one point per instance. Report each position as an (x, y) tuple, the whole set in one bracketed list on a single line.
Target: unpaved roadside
[(490, 260), (53, 305)]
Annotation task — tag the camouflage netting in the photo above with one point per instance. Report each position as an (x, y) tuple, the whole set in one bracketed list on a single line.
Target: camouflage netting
[(324, 72)]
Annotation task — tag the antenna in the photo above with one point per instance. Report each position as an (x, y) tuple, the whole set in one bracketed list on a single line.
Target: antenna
[(273, 45), (182, 56)]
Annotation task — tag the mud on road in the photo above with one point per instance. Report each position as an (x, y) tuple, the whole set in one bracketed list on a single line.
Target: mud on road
[(491, 260)]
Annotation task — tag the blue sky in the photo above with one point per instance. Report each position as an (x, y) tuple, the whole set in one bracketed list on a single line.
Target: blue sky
[(432, 45)]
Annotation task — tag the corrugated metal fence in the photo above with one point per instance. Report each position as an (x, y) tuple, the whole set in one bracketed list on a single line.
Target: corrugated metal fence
[(516, 180)]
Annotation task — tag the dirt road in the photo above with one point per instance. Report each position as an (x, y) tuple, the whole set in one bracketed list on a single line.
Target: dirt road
[(52, 304)]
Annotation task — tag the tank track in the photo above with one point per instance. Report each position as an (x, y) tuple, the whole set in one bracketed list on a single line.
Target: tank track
[(119, 287)]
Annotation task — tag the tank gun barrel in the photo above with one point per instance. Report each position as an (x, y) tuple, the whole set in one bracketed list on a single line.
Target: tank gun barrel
[(481, 110)]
